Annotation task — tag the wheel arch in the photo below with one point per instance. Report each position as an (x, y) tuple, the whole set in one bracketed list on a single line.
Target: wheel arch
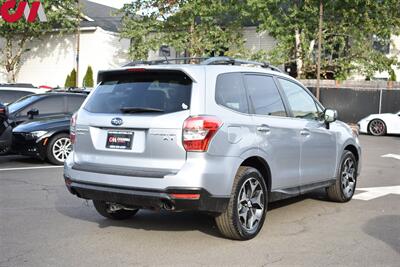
[(353, 150), (262, 166)]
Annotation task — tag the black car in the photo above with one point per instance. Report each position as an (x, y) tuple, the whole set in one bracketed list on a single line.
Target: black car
[(46, 138), (4, 128), (35, 107)]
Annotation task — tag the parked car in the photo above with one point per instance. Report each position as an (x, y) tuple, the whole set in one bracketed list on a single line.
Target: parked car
[(3, 127), (212, 137), (9, 95), (46, 138), (35, 107), (380, 124)]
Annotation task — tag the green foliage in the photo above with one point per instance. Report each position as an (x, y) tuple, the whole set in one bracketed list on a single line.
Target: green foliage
[(348, 30), (197, 27), (70, 82), (60, 15), (67, 81), (88, 79), (72, 79)]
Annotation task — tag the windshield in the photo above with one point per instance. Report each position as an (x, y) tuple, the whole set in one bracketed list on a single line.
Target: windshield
[(22, 102), (139, 92)]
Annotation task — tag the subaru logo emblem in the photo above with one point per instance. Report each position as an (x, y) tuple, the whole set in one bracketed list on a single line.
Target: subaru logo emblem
[(117, 122)]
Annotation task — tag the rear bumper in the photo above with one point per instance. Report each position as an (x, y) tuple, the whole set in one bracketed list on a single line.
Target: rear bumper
[(176, 199)]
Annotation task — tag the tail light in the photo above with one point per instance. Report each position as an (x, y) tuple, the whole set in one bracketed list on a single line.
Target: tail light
[(198, 132), (72, 129), (3, 110)]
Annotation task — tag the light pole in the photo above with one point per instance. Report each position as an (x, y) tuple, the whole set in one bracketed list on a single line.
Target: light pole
[(321, 13), (78, 42)]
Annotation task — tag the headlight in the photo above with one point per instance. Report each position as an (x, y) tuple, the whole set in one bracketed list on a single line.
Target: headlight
[(38, 134)]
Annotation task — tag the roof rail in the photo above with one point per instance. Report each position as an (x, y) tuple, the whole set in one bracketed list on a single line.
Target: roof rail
[(204, 61), (186, 60), (232, 61)]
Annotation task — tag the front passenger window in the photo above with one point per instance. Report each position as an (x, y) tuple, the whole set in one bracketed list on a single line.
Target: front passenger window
[(47, 106), (302, 104)]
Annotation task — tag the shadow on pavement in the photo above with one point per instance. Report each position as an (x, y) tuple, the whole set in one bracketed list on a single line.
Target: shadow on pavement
[(385, 228), (162, 220), (20, 159)]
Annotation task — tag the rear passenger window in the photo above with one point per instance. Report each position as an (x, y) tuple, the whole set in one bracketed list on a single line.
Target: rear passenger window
[(74, 103), (230, 92), (264, 95)]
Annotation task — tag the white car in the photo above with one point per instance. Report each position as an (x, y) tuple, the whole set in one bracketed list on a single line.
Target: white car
[(380, 124), (9, 95)]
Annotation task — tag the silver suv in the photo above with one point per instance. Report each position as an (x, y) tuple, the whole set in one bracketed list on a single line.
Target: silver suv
[(218, 137)]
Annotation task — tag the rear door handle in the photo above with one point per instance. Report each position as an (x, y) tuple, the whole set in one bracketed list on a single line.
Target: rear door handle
[(264, 129), (305, 132)]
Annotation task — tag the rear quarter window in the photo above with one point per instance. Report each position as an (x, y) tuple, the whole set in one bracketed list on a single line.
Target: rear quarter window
[(230, 92), (169, 91)]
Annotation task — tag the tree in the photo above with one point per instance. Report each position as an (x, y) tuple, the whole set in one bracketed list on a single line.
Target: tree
[(16, 36), (67, 81), (351, 30), (196, 27), (88, 79), (72, 79)]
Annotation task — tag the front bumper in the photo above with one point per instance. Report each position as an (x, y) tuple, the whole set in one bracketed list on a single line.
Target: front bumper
[(27, 145), (5, 136), (175, 199)]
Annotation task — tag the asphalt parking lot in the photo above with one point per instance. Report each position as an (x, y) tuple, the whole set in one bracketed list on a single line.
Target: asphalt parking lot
[(41, 224)]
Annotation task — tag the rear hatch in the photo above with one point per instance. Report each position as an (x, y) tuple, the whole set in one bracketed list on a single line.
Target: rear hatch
[(132, 124)]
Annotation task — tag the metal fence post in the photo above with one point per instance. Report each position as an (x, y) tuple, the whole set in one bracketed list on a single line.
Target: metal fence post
[(380, 101)]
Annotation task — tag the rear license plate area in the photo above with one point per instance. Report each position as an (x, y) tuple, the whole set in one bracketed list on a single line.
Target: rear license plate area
[(119, 140)]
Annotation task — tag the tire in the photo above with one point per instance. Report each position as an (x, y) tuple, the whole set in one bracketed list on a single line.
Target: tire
[(346, 181), (377, 127), (56, 142), (103, 208), (235, 226)]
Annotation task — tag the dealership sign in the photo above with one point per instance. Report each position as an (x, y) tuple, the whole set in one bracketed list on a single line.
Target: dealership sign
[(11, 12)]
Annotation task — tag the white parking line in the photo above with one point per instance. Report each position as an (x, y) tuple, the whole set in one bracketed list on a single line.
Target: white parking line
[(375, 192), (30, 168), (395, 156)]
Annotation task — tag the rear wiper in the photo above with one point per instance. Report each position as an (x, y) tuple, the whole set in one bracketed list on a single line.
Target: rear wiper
[(139, 110)]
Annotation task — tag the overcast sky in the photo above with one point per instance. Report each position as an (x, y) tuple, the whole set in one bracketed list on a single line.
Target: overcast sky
[(112, 3)]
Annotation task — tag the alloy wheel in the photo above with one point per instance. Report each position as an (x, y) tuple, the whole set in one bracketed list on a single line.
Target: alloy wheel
[(250, 205), (61, 149), (348, 180), (377, 127)]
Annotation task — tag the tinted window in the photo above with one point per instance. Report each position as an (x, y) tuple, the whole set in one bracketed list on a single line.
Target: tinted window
[(22, 102), (301, 103), (264, 95), (47, 105), (229, 92), (9, 96), (169, 91), (74, 103)]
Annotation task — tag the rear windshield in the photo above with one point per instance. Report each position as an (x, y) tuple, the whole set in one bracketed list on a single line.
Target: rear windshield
[(145, 91)]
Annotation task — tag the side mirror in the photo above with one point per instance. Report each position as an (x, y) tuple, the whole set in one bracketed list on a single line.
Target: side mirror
[(330, 116), (32, 113)]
